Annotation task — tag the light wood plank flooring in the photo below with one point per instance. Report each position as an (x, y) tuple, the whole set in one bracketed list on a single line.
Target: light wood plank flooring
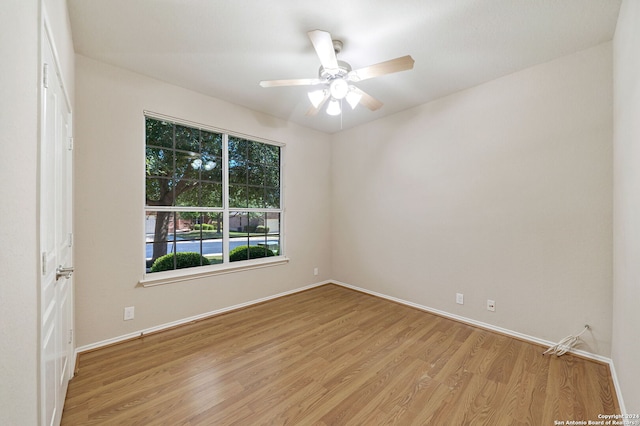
[(333, 356)]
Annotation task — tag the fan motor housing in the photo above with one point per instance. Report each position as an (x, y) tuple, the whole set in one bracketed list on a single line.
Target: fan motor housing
[(343, 69)]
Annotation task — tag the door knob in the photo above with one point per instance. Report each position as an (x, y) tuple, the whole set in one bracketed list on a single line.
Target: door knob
[(64, 272)]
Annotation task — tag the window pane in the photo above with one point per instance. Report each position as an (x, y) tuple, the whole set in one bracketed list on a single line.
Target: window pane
[(159, 162), (211, 144), (212, 237), (159, 192), (214, 222), (150, 247), (159, 133), (272, 176), (272, 198), (187, 165), (188, 226), (271, 155), (256, 174), (211, 168), (238, 222), (210, 194), (159, 229), (237, 196), (187, 139), (272, 231), (237, 174), (255, 197), (238, 249), (263, 153), (255, 220), (238, 150), (238, 236), (187, 193)]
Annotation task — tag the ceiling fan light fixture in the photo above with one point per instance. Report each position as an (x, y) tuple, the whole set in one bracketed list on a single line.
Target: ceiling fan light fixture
[(334, 107), (338, 88), (316, 97), (353, 97), (334, 77)]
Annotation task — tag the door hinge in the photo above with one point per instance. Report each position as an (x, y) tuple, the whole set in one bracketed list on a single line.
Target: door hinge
[(70, 335), (44, 263), (70, 143), (45, 76), (70, 239)]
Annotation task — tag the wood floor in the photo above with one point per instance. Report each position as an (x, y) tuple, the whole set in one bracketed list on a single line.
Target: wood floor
[(333, 356)]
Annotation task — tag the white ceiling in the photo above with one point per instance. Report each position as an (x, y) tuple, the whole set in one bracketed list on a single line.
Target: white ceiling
[(224, 48)]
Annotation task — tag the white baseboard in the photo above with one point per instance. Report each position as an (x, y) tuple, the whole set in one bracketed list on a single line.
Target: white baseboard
[(501, 330), (616, 385), (459, 318), (475, 323), (172, 324)]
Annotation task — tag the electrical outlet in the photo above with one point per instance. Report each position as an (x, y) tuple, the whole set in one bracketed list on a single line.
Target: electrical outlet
[(315, 271), (491, 305), (460, 298), (129, 313)]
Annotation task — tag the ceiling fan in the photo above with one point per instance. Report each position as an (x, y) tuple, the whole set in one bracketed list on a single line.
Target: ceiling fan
[(335, 78)]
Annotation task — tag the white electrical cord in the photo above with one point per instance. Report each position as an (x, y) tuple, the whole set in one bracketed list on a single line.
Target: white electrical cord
[(566, 344)]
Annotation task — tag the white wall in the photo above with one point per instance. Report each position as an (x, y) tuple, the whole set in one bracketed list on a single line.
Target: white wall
[(502, 191), (18, 192), (19, 258), (109, 171), (626, 204)]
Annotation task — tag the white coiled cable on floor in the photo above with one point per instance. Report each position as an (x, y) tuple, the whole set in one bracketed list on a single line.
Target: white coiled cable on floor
[(566, 344)]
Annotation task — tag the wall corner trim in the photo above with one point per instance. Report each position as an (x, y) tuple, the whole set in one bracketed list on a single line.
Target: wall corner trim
[(616, 385)]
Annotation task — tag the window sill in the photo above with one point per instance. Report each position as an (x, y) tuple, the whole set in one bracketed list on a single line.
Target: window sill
[(169, 277)]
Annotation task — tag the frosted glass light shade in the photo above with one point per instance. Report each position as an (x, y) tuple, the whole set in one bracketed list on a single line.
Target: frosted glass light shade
[(334, 107)]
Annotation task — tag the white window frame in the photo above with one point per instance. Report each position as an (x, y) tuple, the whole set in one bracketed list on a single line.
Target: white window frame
[(226, 267)]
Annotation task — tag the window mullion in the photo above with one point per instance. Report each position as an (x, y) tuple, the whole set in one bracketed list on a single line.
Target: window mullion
[(225, 198)]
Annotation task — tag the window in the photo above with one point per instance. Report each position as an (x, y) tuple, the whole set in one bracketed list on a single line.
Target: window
[(211, 197)]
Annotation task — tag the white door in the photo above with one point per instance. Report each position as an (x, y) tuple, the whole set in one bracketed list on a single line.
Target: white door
[(56, 241)]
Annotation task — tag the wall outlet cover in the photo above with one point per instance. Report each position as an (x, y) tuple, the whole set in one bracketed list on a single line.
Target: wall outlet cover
[(129, 313)]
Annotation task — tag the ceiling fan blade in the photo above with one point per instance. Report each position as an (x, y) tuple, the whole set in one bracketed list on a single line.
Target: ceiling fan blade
[(313, 110), (388, 67), (293, 82), (323, 44), (367, 100)]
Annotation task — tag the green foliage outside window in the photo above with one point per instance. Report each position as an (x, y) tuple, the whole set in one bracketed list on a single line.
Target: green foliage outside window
[(249, 252), (181, 260)]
